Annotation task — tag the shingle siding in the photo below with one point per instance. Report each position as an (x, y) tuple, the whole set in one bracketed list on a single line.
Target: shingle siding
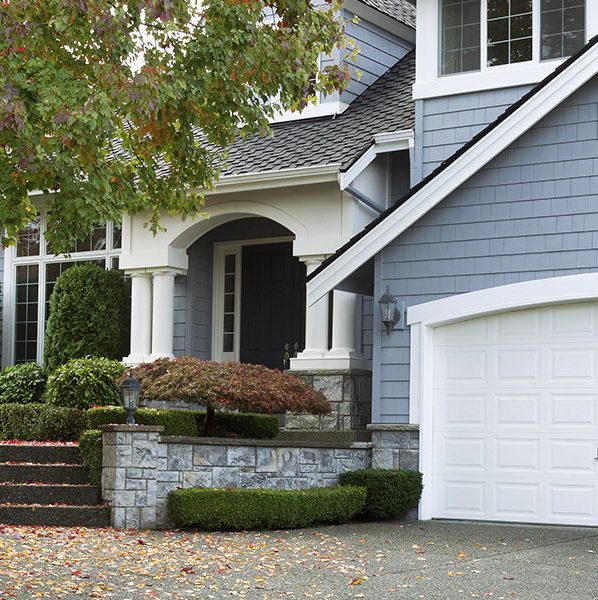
[(444, 124), (531, 213), (378, 51)]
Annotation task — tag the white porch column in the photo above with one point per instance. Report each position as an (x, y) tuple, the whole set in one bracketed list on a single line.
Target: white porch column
[(141, 318), (344, 316), (316, 320), (163, 314)]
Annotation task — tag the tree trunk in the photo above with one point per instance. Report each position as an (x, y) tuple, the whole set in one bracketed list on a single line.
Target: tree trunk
[(208, 424)]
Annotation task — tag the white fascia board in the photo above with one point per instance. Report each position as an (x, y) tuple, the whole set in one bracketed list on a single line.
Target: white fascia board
[(391, 141), (515, 296), (324, 108), (460, 170), (274, 179), (382, 20)]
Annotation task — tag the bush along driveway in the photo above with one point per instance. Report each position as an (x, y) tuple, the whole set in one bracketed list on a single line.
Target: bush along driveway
[(378, 561)]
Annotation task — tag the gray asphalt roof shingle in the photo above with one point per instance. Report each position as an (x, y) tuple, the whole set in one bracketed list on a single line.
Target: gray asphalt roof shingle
[(401, 10), (385, 106)]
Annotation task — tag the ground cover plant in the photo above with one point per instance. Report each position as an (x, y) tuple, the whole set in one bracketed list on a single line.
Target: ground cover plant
[(232, 386), (390, 492), (240, 509)]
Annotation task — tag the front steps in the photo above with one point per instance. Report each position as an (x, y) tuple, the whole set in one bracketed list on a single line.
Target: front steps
[(46, 485)]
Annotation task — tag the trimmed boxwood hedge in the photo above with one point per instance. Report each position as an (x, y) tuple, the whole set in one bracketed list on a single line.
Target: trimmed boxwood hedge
[(190, 422), (390, 492), (90, 452), (40, 422), (240, 509)]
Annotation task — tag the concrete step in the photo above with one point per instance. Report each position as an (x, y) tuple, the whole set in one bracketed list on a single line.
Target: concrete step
[(38, 453), (25, 493), (43, 473), (55, 516)]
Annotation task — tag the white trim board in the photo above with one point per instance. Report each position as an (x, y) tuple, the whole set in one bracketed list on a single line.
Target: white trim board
[(460, 170), (424, 318)]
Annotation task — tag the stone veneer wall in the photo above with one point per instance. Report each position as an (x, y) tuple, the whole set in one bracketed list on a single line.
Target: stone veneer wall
[(395, 446), (350, 393), (140, 468)]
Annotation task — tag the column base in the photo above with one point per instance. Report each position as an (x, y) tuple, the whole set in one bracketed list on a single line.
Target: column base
[(156, 355), (135, 359), (328, 361)]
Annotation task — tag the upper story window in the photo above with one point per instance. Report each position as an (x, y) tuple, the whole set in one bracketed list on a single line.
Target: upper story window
[(479, 34)]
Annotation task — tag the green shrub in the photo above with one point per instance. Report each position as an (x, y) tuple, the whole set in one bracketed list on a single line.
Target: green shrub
[(90, 451), (241, 425), (22, 384), (175, 422), (40, 422), (84, 382), (88, 316), (228, 386), (189, 422), (263, 509), (390, 492)]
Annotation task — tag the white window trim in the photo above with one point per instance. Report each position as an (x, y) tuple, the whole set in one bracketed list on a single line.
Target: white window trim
[(11, 261), (424, 318), (428, 82), (222, 249)]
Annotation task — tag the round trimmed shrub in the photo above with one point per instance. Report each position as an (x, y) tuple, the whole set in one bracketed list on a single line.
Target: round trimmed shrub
[(88, 316), (85, 382), (22, 384)]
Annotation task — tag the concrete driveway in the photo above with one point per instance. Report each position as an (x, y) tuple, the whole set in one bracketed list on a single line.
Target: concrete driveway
[(429, 560)]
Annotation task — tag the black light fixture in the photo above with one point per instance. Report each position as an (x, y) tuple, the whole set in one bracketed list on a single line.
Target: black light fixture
[(130, 389), (389, 311)]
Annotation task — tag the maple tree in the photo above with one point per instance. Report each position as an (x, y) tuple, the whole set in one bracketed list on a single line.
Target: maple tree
[(119, 106)]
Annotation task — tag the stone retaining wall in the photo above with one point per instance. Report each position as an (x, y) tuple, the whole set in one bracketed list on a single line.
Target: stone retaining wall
[(141, 468)]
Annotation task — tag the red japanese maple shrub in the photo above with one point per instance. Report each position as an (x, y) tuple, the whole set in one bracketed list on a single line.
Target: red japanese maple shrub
[(232, 386)]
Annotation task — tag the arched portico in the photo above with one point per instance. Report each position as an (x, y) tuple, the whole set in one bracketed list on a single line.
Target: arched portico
[(314, 221)]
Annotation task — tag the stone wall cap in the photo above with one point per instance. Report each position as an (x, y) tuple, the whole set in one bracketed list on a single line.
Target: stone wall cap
[(299, 372), (273, 443), (392, 427), (132, 428)]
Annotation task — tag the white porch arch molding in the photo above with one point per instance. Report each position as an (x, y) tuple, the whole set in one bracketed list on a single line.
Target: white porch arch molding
[(425, 318), (153, 262)]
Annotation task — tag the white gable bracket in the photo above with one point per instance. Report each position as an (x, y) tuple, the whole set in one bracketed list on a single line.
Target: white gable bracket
[(576, 74)]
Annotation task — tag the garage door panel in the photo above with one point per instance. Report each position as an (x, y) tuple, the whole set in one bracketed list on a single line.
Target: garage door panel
[(516, 417)]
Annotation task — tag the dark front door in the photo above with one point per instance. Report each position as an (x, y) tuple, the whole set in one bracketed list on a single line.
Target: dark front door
[(272, 304)]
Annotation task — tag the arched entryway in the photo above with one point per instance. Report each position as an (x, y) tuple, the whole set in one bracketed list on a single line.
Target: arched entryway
[(245, 297)]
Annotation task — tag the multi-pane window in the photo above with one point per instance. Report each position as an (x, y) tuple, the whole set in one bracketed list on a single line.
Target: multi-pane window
[(509, 36), (460, 45), (228, 333), (509, 31), (562, 24), (35, 271)]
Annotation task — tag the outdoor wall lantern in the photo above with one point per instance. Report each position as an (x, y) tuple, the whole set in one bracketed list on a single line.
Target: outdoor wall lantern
[(392, 311), (130, 389)]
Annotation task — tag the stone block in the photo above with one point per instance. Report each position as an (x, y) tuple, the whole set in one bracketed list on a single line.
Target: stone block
[(164, 487), (383, 458), (343, 464), (329, 422), (123, 456), (288, 462), (109, 438), (359, 460), (315, 480), (254, 480), (409, 460), (343, 453), (310, 422), (415, 440), (198, 478), (144, 454), (169, 476), (162, 463), (297, 483), (391, 439), (180, 457), (141, 499), (345, 423), (266, 460), (133, 518), (118, 517), (240, 456), (136, 484), (307, 468), (330, 385), (308, 456), (109, 457), (123, 438), (327, 460), (147, 518), (124, 498), (223, 477), (162, 450), (134, 473), (213, 456)]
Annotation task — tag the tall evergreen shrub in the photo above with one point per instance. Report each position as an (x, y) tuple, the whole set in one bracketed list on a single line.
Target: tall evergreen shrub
[(88, 316)]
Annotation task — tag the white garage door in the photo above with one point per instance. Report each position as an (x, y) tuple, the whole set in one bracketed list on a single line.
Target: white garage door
[(515, 417)]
